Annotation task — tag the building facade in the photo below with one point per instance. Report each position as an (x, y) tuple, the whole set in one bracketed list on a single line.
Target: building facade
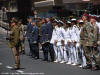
[(23, 8)]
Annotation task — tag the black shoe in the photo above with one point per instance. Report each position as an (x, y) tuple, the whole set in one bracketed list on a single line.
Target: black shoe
[(45, 60), (94, 68), (87, 67), (23, 52), (16, 68), (20, 53), (29, 54), (51, 61), (33, 56), (36, 58)]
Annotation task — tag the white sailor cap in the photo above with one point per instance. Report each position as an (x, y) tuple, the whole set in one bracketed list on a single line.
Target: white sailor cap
[(60, 22), (81, 21), (55, 21), (98, 16), (90, 14), (68, 22), (94, 15), (73, 19)]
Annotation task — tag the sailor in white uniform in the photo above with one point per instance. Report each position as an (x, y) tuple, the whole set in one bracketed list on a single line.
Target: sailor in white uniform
[(60, 50), (68, 42), (73, 32), (80, 55), (54, 40), (63, 49), (98, 24)]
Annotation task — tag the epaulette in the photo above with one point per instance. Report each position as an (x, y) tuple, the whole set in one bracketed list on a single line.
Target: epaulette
[(75, 26)]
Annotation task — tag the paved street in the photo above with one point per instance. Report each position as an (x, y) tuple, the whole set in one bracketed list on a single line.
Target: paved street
[(30, 66)]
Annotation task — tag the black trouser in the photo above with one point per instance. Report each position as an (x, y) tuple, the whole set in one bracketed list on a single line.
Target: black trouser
[(35, 50), (30, 47), (48, 48)]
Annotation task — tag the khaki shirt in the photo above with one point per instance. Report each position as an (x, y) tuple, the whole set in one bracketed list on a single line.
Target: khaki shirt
[(14, 37)]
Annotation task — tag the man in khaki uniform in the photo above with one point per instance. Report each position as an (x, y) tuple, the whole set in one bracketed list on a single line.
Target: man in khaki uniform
[(14, 43), (39, 23), (22, 37), (89, 39)]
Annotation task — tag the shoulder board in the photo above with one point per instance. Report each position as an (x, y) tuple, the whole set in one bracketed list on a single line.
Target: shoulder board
[(75, 26)]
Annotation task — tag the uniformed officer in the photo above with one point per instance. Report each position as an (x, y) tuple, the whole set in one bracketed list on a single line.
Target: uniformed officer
[(49, 46), (62, 39), (59, 47), (68, 41), (22, 37), (14, 43), (44, 39), (34, 37), (73, 32), (54, 40), (89, 38), (98, 24), (50, 28), (81, 56), (28, 33), (39, 25), (70, 35)]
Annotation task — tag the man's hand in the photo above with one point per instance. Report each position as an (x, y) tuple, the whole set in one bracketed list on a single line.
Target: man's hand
[(62, 42), (41, 44), (95, 45), (55, 42), (68, 42), (74, 42)]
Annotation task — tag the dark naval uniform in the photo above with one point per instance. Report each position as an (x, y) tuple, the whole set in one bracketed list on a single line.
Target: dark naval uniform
[(46, 34), (28, 34), (43, 40), (50, 31), (34, 42)]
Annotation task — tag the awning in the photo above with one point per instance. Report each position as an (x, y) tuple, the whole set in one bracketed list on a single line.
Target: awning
[(75, 1), (43, 3)]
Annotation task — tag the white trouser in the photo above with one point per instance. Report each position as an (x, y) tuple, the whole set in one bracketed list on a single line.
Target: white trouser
[(77, 51), (74, 55), (99, 49), (57, 52), (69, 49), (63, 53)]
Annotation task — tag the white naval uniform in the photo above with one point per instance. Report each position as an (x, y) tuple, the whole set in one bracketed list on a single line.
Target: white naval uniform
[(68, 47), (73, 33), (58, 32), (78, 46), (67, 35), (98, 24), (61, 36), (54, 37)]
